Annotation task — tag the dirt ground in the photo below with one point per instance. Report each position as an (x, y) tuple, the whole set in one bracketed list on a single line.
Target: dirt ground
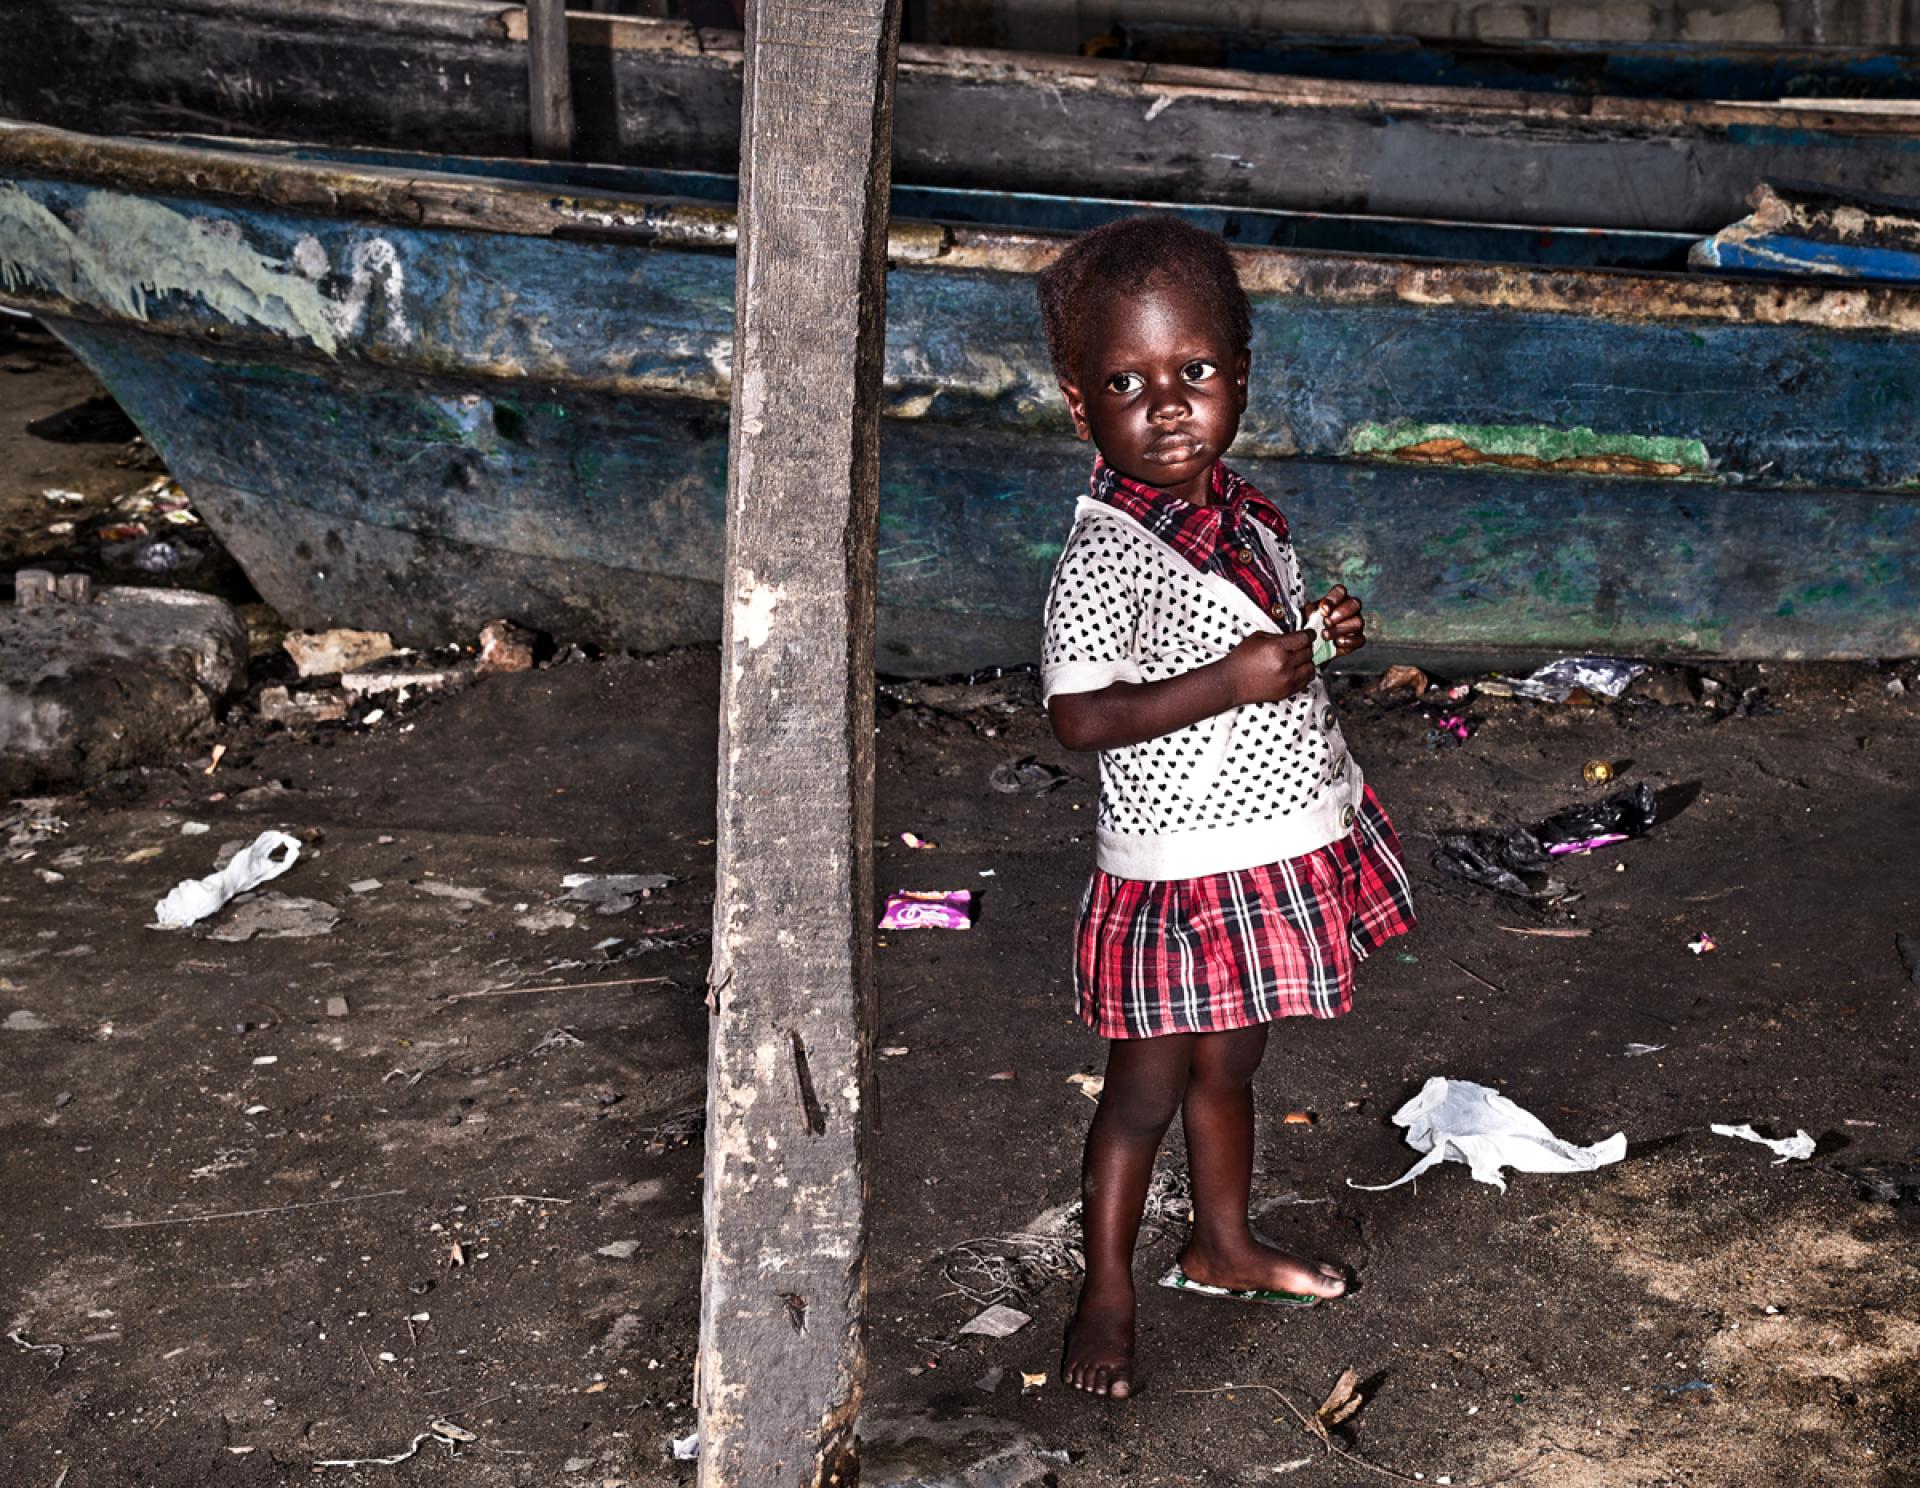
[(243, 1239)]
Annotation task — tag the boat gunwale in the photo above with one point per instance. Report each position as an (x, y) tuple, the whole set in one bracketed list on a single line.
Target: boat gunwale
[(490, 20), (516, 208)]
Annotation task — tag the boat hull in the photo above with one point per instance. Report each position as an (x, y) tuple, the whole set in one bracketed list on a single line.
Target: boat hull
[(429, 506), (452, 76), (423, 400)]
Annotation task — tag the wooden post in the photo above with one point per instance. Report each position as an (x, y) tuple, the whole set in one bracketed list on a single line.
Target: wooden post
[(550, 83), (782, 1321)]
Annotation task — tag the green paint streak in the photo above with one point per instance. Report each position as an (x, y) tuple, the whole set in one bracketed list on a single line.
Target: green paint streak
[(1533, 442)]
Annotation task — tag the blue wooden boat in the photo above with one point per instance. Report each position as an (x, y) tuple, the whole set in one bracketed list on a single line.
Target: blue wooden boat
[(449, 76), (1795, 231), (1678, 71), (416, 393)]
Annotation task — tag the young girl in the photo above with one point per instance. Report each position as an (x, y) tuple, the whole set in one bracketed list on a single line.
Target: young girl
[(1242, 865)]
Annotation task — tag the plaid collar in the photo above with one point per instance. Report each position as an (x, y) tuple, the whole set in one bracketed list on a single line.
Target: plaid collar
[(1198, 533)]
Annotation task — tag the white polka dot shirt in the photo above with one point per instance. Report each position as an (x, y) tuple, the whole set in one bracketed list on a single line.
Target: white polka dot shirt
[(1250, 786)]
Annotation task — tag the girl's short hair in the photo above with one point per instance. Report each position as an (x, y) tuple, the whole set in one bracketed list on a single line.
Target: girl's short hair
[(1126, 255)]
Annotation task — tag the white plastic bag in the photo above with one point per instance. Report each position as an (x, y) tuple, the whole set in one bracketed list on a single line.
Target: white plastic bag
[(270, 855), (1469, 1123)]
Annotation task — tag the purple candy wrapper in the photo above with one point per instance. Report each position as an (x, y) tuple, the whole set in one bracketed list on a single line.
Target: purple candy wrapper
[(1585, 844), (932, 909)]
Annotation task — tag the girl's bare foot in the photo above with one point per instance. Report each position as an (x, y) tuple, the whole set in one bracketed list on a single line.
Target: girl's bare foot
[(1099, 1357), (1253, 1266)]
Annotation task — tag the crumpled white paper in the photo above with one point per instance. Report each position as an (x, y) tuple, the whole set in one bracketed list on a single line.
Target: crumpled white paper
[(1786, 1149), (190, 902), (1469, 1123)]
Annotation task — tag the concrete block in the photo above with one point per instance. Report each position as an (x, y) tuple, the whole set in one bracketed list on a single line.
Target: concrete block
[(1624, 20), (1432, 19), (1752, 23), (127, 678), (1505, 23)]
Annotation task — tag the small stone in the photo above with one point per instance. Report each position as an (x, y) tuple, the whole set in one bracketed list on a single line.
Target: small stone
[(65, 1097), (25, 1022), (506, 647), (363, 886), (420, 1288), (576, 1464), (619, 1250), (326, 652), (337, 1007)]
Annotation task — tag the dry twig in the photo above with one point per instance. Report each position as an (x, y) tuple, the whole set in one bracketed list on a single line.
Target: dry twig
[(559, 987), (1309, 1425), (141, 1224), (1490, 986)]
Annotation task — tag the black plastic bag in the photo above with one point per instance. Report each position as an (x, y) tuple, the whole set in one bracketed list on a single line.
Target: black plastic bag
[(1514, 860)]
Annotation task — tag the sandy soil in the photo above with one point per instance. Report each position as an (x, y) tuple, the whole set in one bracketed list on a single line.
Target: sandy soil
[(444, 1164)]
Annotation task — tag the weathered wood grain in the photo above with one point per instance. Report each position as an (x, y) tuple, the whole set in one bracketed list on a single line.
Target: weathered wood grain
[(783, 1308), (549, 82)]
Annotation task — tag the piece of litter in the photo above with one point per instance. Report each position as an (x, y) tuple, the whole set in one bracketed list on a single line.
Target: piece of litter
[(1702, 943), (686, 1448), (277, 917), (23, 1021), (1460, 1121), (1571, 679), (1004, 1075), (912, 840), (363, 886), (1299, 1118), (1637, 1051), (988, 873), (385, 1357), (619, 1250), (1031, 1382), (913, 909), (998, 1321), (267, 1059), (1797, 1147), (894, 1051), (257, 1110), (267, 857), (611, 893), (599, 1387), (194, 829), (1090, 1085)]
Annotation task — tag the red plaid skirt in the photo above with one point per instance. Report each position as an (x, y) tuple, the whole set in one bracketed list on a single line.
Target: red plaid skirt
[(1201, 955)]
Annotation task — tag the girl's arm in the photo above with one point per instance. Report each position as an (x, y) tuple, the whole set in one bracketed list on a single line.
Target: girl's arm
[(1264, 668)]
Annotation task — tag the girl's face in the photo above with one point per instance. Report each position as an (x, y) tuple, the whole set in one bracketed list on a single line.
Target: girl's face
[(1161, 389)]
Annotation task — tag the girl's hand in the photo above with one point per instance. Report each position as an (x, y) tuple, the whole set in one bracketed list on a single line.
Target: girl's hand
[(1346, 627), (1269, 668)]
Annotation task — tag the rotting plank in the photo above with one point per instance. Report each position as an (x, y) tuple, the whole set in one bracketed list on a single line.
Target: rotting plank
[(783, 1304)]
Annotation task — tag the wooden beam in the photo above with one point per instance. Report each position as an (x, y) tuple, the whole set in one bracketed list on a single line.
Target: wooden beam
[(783, 1306), (549, 80)]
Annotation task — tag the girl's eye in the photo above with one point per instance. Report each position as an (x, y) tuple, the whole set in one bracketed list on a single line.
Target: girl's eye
[(1125, 382), (1198, 371)]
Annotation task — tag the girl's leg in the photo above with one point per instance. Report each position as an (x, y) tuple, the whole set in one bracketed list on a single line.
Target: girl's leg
[(1219, 1125), (1146, 1080)]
